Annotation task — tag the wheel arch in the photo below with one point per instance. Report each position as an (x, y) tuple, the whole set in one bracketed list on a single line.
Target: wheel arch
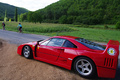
[(96, 75), (82, 56)]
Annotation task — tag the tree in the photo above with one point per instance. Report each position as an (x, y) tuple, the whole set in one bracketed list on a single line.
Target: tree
[(5, 18), (18, 18), (34, 17), (117, 25), (63, 19), (29, 16), (23, 17), (39, 18), (1, 18), (16, 14)]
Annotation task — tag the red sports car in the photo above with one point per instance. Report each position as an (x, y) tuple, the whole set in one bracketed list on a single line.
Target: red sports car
[(85, 57)]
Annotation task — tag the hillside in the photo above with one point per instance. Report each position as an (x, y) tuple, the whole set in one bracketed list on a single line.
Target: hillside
[(10, 10), (82, 12)]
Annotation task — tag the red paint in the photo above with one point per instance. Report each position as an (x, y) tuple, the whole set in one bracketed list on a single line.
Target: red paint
[(105, 64)]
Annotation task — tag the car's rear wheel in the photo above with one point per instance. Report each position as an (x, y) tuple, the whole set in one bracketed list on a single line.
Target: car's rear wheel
[(27, 52), (85, 67)]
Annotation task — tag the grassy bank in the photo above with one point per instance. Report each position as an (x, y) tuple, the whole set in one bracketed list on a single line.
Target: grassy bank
[(96, 33), (37, 28)]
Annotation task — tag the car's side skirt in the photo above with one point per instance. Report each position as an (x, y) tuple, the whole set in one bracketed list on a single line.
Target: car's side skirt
[(54, 63)]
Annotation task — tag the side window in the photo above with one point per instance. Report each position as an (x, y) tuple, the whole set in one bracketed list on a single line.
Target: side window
[(69, 44), (46, 42), (56, 42)]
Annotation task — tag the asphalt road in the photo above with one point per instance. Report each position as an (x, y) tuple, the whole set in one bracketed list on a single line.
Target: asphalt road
[(20, 38)]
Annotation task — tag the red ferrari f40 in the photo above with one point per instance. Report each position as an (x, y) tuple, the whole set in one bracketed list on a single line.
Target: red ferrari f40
[(85, 57)]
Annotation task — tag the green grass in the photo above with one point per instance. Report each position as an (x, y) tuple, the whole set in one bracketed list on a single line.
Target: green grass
[(96, 26), (96, 33), (102, 26), (99, 35), (38, 28)]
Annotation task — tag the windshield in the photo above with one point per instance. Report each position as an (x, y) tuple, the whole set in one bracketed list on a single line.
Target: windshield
[(90, 44)]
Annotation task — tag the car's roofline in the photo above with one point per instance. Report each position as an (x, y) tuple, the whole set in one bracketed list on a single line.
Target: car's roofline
[(70, 37)]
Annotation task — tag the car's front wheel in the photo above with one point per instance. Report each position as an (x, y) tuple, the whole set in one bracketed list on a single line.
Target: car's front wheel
[(27, 52), (85, 67)]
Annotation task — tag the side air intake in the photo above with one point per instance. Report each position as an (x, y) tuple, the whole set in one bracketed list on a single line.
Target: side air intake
[(109, 62)]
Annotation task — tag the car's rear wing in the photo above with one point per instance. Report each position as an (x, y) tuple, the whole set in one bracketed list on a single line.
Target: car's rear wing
[(109, 60), (112, 48), (111, 54)]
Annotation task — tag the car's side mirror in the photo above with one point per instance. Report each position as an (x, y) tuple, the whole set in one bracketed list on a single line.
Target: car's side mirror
[(39, 41)]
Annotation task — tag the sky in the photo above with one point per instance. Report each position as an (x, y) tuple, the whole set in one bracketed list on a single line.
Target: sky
[(31, 5)]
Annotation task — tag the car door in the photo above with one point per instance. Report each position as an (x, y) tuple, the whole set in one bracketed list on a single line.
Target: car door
[(50, 49), (69, 52)]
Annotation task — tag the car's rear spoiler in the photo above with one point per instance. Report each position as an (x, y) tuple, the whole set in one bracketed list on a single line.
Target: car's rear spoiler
[(112, 48), (113, 42), (110, 60), (111, 54)]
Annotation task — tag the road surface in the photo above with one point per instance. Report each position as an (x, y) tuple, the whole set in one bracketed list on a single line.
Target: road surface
[(20, 38)]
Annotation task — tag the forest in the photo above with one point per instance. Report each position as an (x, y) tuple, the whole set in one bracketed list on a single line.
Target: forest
[(89, 12), (10, 11), (82, 11)]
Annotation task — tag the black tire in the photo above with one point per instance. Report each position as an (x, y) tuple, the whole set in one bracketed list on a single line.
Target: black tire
[(27, 52), (85, 67)]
